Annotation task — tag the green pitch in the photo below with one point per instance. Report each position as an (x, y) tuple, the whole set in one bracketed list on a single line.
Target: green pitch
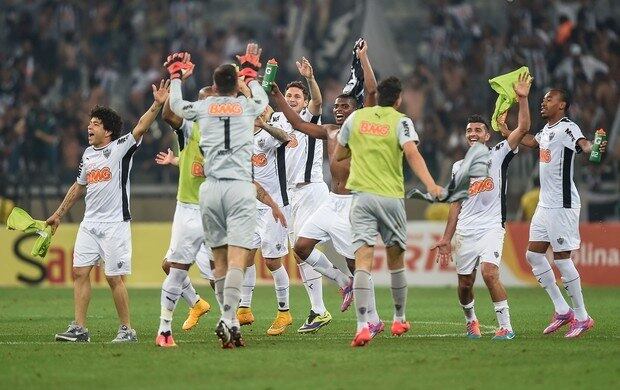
[(434, 355)]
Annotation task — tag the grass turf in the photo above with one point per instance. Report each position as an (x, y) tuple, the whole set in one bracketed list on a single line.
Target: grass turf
[(435, 354)]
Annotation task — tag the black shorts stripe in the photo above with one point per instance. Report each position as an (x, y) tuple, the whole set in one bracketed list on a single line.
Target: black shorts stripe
[(504, 185), (181, 139), (566, 181), (281, 164), (124, 179), (311, 148)]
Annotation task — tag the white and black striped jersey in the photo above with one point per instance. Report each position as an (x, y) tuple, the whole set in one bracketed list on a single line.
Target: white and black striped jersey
[(304, 154), (269, 164), (558, 146), (486, 206), (105, 173)]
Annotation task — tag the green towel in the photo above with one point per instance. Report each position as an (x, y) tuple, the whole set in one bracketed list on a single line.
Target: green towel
[(503, 85), (20, 220)]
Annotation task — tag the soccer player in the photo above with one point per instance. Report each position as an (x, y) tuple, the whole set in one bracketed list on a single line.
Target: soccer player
[(104, 233), (479, 220), (227, 195), (271, 236), (375, 139), (187, 235), (556, 220), (306, 188), (331, 220)]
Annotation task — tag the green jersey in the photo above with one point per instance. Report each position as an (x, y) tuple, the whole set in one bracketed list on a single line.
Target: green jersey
[(375, 136), (191, 170)]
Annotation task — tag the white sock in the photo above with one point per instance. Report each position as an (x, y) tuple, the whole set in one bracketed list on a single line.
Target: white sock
[(503, 314), (544, 274), (470, 313), (189, 292), (219, 291), (281, 285), (247, 288), (361, 292), (314, 288), (373, 316), (232, 293), (398, 285), (320, 263), (170, 294), (572, 284)]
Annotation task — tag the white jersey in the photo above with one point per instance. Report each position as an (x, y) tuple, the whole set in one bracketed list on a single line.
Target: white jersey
[(486, 206), (226, 127), (558, 146), (268, 162), (304, 154), (105, 173)]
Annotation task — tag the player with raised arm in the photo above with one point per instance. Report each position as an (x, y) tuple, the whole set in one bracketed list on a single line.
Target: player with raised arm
[(227, 195), (556, 220), (375, 138), (104, 233), (478, 221), (331, 221)]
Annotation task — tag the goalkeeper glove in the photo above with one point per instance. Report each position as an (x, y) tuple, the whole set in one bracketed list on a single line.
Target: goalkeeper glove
[(178, 65)]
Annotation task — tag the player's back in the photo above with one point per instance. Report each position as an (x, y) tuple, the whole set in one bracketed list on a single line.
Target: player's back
[(226, 125)]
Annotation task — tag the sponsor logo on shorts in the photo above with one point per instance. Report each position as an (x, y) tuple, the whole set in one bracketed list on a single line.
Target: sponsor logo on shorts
[(496, 254), (481, 186), (225, 109), (98, 175), (259, 160), (197, 170), (545, 155), (561, 240), (376, 129)]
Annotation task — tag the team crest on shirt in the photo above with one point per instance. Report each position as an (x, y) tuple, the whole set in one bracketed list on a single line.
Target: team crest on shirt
[(106, 153), (261, 143), (551, 135)]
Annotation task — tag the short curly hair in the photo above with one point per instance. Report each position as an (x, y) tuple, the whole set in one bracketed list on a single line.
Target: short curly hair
[(111, 120)]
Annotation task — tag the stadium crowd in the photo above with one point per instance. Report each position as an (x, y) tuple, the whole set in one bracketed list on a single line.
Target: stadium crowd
[(62, 58)]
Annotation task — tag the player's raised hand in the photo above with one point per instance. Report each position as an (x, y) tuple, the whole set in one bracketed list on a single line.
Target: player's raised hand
[(249, 63), (523, 84), (361, 48), (444, 252), (165, 158), (179, 65), (304, 67), (243, 87), (279, 216), (275, 90), (161, 94)]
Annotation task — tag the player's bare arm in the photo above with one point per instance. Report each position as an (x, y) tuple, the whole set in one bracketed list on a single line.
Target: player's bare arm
[(444, 246), (170, 117), (522, 89), (75, 192), (167, 158), (316, 100), (586, 146), (275, 132), (311, 129), (418, 165), (370, 82), (342, 152), (263, 196), (160, 95)]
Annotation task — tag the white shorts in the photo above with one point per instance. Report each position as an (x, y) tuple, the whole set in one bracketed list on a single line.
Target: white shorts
[(187, 235), (203, 261), (270, 236), (331, 222), (109, 242), (559, 227), (470, 247), (305, 200)]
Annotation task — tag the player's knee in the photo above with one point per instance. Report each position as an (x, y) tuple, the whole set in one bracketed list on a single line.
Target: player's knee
[(466, 284), (114, 281), (302, 250), (490, 274), (165, 266), (80, 273)]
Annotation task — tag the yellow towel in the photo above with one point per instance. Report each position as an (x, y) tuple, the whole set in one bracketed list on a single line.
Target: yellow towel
[(503, 85), (20, 220)]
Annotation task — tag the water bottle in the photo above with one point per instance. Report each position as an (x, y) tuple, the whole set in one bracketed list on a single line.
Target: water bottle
[(270, 74), (599, 137)]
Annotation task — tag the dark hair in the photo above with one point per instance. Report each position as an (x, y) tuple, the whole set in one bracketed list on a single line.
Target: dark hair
[(111, 120), (476, 118), (300, 85), (389, 91), (225, 79), (347, 96), (564, 96)]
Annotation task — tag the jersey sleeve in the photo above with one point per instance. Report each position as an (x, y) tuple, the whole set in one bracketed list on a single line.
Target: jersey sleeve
[(126, 142), (184, 133), (81, 176), (502, 149), (538, 136), (307, 116), (406, 131), (183, 108), (570, 136), (345, 130), (259, 100)]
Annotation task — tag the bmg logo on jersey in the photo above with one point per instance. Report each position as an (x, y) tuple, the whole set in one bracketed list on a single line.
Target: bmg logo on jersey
[(371, 128), (98, 175), (225, 109), (481, 185), (545, 155)]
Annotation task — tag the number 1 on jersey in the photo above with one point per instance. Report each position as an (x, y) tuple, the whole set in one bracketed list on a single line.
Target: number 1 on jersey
[(226, 131)]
